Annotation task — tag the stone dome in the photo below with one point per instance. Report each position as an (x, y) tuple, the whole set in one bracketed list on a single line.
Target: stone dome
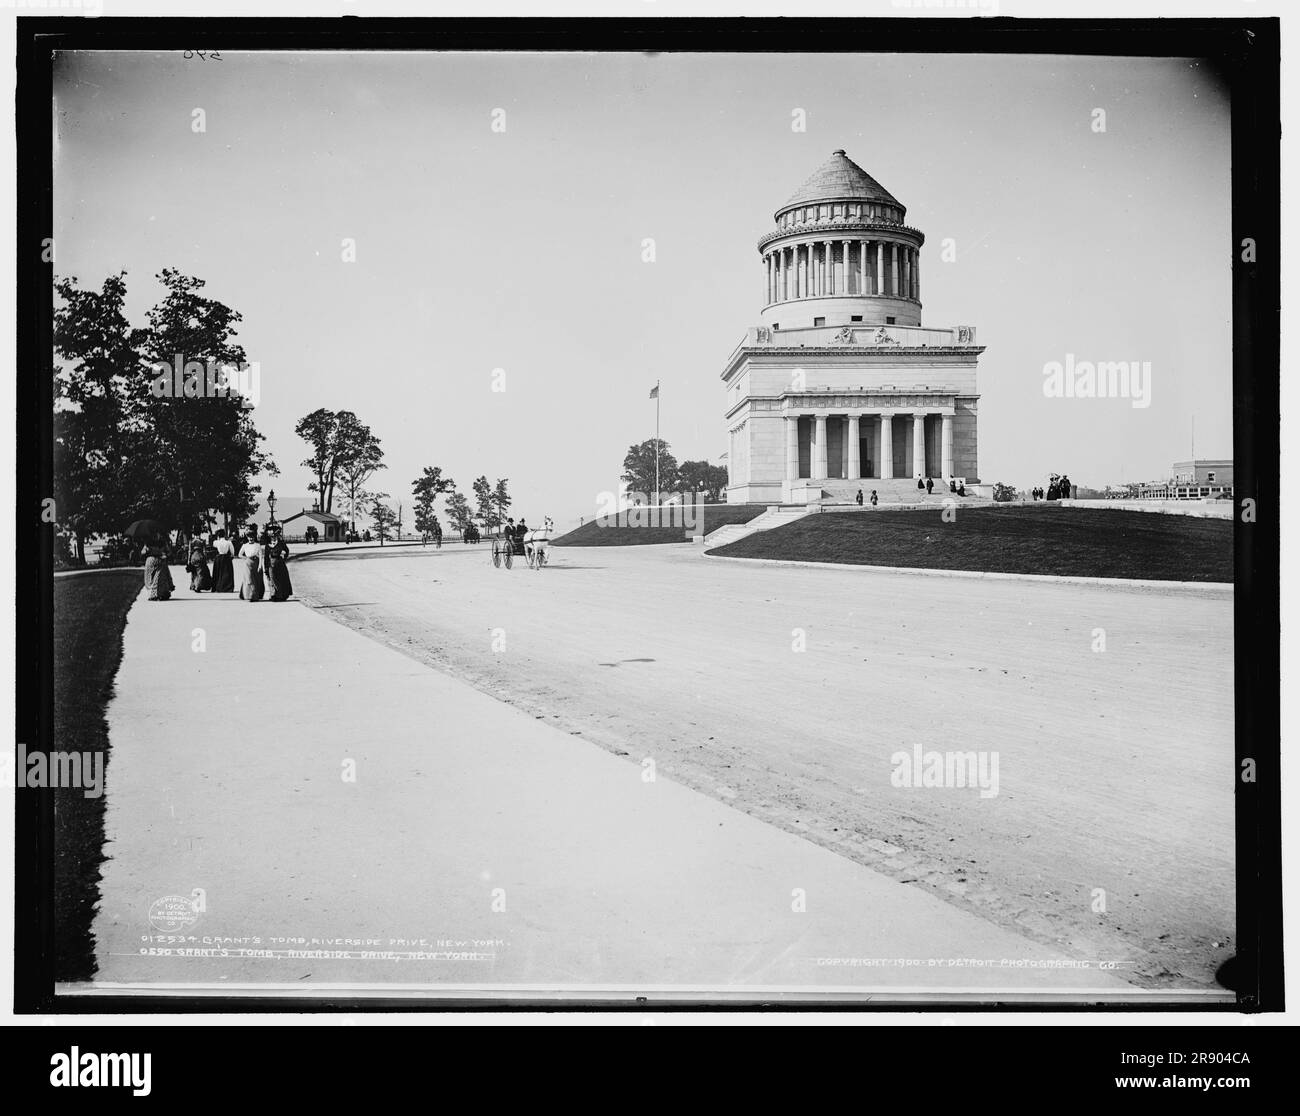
[(840, 179)]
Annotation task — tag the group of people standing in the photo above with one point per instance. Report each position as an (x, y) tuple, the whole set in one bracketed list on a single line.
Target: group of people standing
[(261, 561)]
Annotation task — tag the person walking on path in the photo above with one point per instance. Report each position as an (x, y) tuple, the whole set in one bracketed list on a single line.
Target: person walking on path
[(252, 587), (197, 565), (223, 565), (874, 498), (157, 574), (278, 585), (859, 497), (929, 486)]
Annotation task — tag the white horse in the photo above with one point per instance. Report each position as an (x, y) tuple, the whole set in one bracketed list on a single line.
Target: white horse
[(537, 544)]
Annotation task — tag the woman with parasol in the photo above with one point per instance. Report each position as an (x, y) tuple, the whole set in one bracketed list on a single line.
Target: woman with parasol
[(157, 575)]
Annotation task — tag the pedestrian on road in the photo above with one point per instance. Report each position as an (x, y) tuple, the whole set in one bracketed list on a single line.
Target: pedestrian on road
[(252, 587), (157, 574), (874, 498), (223, 565), (859, 497), (278, 584), (929, 486), (920, 483)]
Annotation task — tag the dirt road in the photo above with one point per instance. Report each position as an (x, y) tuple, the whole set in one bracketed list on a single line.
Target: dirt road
[(789, 694)]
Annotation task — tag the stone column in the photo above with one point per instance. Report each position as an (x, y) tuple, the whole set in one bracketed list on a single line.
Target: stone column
[(887, 445), (854, 469), (896, 271), (907, 272), (916, 275), (862, 267), (780, 275), (918, 445), (946, 443), (880, 268), (848, 283), (792, 447), (819, 448)]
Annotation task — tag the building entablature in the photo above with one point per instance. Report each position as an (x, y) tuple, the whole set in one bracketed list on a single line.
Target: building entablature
[(867, 401), (870, 357), (799, 234)]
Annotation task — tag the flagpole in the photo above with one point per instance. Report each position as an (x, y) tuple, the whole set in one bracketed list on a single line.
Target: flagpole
[(656, 441)]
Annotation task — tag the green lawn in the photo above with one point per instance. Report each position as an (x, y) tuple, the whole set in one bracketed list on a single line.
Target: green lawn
[(89, 617), (1047, 539), (606, 532)]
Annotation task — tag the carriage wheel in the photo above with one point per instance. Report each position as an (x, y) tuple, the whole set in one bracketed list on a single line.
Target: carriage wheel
[(496, 555), (510, 556)]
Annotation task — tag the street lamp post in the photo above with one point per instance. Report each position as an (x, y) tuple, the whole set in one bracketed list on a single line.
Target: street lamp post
[(270, 503)]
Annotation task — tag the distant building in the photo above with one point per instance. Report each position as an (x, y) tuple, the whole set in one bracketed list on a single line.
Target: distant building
[(1199, 479), (329, 527)]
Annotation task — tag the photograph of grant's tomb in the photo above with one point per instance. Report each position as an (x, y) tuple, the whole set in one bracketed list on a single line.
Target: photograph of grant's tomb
[(841, 382), (642, 524)]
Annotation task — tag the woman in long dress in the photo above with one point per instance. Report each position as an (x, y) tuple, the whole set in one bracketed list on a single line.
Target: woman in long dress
[(157, 575), (252, 587), (279, 587), (200, 579), (223, 565)]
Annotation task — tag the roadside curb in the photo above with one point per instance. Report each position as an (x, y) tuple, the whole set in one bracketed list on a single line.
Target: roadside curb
[(1111, 582)]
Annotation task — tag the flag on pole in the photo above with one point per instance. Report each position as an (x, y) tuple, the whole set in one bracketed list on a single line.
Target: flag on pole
[(654, 392)]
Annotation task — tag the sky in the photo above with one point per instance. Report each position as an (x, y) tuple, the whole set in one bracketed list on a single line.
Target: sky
[(481, 251)]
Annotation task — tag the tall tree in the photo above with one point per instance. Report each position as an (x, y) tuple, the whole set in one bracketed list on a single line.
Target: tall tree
[(700, 476), (639, 469), (501, 499), (360, 456), (130, 451), (458, 512), (483, 504), (207, 444), (427, 488), (382, 516), (98, 352)]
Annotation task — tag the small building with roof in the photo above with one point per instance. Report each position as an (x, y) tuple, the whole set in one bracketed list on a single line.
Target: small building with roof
[(329, 528)]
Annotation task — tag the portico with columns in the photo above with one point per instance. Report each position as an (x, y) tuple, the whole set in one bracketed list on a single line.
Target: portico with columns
[(841, 383)]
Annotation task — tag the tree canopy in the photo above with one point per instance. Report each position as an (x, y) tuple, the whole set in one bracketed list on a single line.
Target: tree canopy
[(129, 446), (639, 469)]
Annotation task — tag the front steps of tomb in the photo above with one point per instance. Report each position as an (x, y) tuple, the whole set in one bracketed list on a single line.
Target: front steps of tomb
[(900, 490)]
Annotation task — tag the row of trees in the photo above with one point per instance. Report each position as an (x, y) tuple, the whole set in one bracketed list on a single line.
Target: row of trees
[(491, 502), (689, 476), (125, 445)]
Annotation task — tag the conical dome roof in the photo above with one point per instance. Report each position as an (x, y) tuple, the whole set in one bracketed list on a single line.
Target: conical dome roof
[(840, 178)]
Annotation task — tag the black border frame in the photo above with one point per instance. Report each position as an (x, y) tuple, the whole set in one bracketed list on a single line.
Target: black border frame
[(1246, 55)]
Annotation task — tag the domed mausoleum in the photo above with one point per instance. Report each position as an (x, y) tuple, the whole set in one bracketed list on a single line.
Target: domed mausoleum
[(841, 384)]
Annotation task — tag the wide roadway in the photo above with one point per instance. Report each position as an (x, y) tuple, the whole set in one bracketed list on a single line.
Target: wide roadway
[(786, 693)]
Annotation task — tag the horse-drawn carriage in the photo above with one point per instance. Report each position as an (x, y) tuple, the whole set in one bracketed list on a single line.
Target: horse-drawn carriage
[(534, 546)]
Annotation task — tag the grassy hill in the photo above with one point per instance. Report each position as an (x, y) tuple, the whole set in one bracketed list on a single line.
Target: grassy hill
[(606, 532), (1043, 539)]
